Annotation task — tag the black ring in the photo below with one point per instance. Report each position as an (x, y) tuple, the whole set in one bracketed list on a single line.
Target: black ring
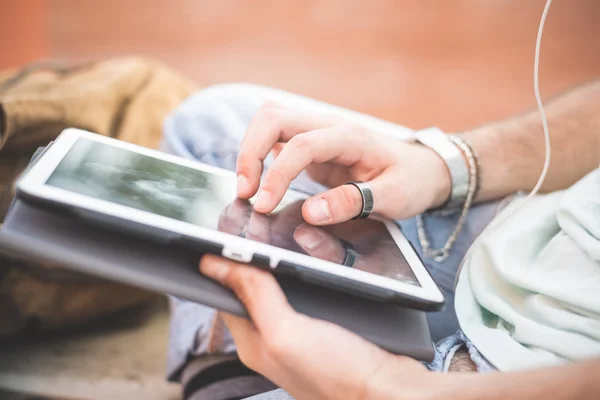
[(367, 198), (349, 254)]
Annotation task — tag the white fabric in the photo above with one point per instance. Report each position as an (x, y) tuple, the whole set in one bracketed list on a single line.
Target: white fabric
[(528, 294)]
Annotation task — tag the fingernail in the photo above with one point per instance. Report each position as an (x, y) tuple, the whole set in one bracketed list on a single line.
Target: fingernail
[(318, 210), (309, 239), (215, 269), (263, 199), (242, 183)]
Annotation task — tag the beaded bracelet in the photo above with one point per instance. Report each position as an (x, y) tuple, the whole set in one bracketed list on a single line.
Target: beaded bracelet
[(442, 253)]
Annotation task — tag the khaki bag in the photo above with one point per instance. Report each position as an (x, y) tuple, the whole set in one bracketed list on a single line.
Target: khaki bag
[(123, 98)]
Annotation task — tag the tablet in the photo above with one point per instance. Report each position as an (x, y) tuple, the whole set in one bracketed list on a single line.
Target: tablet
[(41, 236), (164, 198)]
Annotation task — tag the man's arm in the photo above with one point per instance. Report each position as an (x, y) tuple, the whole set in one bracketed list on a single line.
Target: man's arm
[(511, 152), (574, 381)]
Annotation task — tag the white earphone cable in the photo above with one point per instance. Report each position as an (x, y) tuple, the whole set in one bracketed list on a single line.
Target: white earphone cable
[(535, 190), (536, 88), (540, 106)]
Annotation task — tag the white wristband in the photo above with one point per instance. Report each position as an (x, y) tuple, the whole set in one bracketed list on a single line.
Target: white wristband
[(439, 142)]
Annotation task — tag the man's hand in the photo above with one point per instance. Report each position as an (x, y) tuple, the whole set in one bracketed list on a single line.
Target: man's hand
[(311, 359), (314, 359), (406, 179)]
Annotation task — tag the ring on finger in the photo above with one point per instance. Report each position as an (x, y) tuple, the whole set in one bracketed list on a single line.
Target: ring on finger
[(367, 198)]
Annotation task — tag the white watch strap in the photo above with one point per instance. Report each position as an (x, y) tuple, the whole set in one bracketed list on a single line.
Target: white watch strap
[(439, 142)]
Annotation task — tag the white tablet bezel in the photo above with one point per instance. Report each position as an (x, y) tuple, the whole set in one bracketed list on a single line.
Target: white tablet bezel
[(32, 183)]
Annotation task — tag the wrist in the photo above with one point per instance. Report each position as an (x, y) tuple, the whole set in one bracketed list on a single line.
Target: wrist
[(505, 158), (389, 380), (441, 180), (452, 173), (404, 378)]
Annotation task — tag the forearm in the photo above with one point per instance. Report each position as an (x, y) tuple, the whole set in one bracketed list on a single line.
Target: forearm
[(511, 153), (574, 381)]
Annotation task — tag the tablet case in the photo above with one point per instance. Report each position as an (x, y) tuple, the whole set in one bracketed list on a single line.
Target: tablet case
[(48, 238)]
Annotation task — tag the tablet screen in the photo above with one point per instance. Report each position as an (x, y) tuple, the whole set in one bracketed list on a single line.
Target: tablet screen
[(209, 200)]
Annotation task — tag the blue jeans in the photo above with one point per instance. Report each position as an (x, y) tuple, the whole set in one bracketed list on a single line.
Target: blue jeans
[(209, 127)]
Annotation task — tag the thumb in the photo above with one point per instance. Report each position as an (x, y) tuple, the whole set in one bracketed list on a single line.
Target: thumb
[(334, 206)]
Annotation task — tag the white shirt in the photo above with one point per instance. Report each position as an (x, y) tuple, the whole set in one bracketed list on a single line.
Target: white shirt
[(528, 294)]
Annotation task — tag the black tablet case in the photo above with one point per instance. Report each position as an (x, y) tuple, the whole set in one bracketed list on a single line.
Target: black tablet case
[(39, 235)]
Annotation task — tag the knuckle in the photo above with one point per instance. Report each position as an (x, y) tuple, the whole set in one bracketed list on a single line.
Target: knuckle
[(274, 179), (334, 119), (364, 131), (301, 143), (243, 158), (245, 281), (269, 115), (247, 160), (386, 196), (270, 103), (244, 161), (356, 132), (239, 282), (360, 137)]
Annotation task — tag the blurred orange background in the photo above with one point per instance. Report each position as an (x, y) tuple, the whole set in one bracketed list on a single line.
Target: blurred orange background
[(450, 63)]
